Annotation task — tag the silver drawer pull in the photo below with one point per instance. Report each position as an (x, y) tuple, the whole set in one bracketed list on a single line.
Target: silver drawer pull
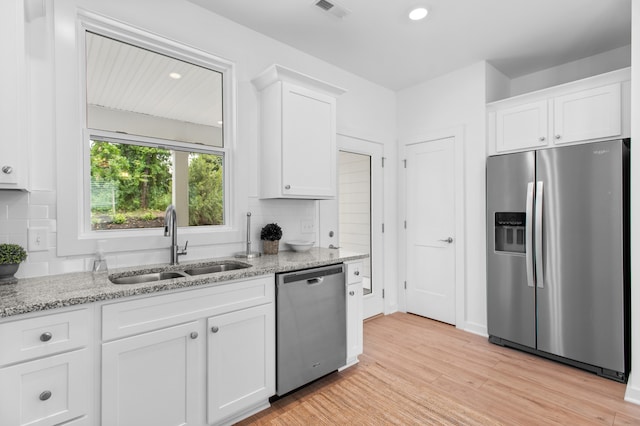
[(287, 187), (45, 337), (45, 395), (352, 293), (194, 335), (214, 329), (7, 170)]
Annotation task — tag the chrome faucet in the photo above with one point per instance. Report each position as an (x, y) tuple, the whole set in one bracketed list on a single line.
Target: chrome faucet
[(171, 230)]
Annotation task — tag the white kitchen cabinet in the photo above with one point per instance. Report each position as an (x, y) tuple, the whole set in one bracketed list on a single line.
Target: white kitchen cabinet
[(163, 364), (240, 360), (297, 135), (354, 311), (587, 114), (13, 149), (522, 126), (45, 369), (596, 108), (152, 378)]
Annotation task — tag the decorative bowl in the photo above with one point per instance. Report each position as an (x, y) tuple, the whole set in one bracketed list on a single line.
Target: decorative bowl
[(300, 245)]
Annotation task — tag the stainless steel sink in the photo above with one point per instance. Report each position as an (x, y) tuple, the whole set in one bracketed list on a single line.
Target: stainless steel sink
[(218, 267), (167, 275), (147, 278)]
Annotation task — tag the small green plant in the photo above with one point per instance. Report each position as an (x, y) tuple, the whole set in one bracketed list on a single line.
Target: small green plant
[(12, 253), (271, 232), (148, 216), (119, 218)]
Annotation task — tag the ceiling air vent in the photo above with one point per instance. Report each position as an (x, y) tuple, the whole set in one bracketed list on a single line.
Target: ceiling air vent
[(332, 7)]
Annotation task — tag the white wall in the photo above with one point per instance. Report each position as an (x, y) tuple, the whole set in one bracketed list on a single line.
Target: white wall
[(597, 64), (366, 110), (633, 386), (457, 100)]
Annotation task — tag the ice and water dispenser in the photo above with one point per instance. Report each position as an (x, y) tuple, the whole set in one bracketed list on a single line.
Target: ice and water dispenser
[(509, 229)]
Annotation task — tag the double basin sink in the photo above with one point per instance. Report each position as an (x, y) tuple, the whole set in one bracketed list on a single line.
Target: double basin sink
[(189, 271)]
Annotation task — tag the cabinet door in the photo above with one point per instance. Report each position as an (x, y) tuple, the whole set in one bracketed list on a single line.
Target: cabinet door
[(48, 391), (354, 322), (522, 127), (152, 378), (13, 151), (308, 143), (240, 361), (588, 114)]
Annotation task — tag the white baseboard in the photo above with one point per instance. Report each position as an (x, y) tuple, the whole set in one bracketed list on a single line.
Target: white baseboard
[(479, 329), (632, 394)]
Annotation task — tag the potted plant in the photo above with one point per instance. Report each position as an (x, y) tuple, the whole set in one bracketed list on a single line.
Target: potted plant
[(10, 257), (270, 235)]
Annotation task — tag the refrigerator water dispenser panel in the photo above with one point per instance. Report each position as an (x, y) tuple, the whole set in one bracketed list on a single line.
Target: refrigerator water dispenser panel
[(509, 230)]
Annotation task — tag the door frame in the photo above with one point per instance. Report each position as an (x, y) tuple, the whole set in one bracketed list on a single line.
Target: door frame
[(375, 150), (457, 133)]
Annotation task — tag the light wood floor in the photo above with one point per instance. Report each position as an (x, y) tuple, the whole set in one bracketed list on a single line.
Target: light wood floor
[(415, 371)]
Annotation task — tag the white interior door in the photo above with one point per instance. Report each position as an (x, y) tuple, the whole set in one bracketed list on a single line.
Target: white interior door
[(430, 233)]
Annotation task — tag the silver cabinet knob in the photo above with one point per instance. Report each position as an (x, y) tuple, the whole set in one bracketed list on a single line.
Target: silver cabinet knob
[(194, 335), (45, 337), (352, 293), (214, 329), (356, 273), (542, 139), (45, 395), (7, 170), (558, 137), (287, 187)]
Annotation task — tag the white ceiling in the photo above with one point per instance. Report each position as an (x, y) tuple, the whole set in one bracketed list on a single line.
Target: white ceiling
[(377, 41)]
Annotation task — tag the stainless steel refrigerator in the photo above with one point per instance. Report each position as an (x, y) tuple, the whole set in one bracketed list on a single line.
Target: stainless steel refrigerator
[(558, 254)]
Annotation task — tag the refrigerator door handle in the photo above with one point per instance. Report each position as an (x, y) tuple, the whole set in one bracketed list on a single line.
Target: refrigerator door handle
[(538, 232), (528, 239)]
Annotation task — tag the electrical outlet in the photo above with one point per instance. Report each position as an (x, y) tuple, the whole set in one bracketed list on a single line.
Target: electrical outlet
[(38, 239), (307, 226)]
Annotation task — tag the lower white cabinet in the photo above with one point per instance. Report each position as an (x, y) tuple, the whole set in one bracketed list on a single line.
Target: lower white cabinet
[(198, 356), (45, 368), (47, 391), (152, 378), (240, 360), (354, 311)]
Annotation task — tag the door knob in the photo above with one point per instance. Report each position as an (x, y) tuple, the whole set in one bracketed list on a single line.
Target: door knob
[(448, 240)]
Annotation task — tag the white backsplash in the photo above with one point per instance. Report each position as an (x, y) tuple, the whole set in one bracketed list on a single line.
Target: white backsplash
[(20, 211)]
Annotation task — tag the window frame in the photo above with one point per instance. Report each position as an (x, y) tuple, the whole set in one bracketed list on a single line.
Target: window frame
[(74, 233)]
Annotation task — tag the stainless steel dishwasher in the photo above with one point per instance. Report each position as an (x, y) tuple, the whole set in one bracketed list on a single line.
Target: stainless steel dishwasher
[(310, 325)]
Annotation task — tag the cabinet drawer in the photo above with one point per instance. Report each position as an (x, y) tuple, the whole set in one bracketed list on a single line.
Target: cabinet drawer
[(151, 313), (31, 338), (47, 391), (354, 272)]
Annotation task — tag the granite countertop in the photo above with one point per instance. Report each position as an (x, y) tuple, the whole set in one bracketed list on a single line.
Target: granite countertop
[(56, 291)]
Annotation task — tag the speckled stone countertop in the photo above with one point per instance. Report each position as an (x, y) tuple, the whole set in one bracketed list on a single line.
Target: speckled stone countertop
[(56, 291)]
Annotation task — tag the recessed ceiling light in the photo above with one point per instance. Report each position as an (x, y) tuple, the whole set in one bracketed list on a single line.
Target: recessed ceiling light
[(418, 13), (175, 75)]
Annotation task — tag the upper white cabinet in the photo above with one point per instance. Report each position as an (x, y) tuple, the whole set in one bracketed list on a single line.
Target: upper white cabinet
[(587, 114), (521, 126), (297, 135), (592, 109), (13, 148)]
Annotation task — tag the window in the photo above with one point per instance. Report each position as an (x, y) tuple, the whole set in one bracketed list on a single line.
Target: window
[(155, 138), (132, 185), (156, 126)]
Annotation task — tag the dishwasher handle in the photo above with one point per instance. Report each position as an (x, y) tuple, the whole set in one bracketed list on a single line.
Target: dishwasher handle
[(315, 281)]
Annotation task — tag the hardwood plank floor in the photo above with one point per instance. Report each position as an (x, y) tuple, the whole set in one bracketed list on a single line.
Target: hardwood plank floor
[(415, 371)]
